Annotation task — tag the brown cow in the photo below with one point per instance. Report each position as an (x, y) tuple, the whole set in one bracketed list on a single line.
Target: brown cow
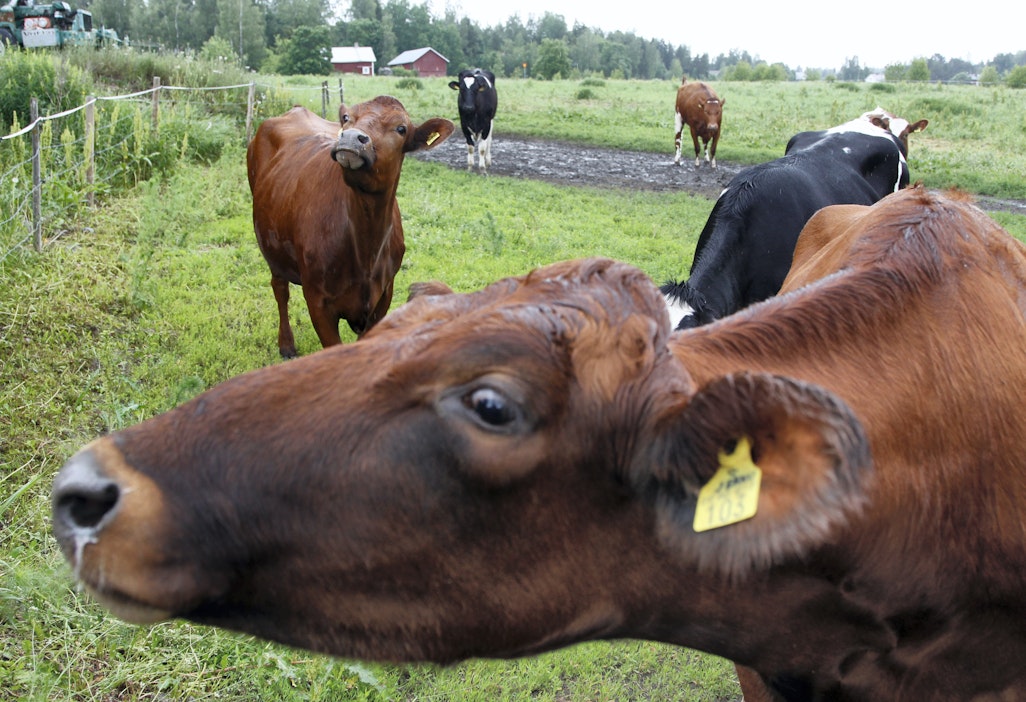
[(513, 470), (700, 109), (325, 212)]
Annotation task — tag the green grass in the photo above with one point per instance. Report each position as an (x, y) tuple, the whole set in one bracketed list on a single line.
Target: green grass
[(163, 293)]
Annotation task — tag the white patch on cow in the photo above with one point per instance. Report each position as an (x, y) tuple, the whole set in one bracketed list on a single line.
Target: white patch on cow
[(846, 149), (902, 164), (678, 311), (863, 125), (469, 82), (860, 126)]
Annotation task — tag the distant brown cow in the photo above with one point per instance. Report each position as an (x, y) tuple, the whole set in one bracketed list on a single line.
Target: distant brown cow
[(325, 212), (700, 109), (543, 462)]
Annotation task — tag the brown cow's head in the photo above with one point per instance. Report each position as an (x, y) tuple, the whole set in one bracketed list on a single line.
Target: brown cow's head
[(483, 474), (897, 126), (713, 111), (374, 137)]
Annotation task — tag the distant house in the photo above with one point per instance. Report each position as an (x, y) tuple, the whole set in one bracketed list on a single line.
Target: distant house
[(353, 59), (426, 62)]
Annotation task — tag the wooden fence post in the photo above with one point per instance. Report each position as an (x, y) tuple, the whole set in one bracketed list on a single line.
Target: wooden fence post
[(37, 179), (156, 100), (324, 99), (341, 92), (90, 149), (249, 111)]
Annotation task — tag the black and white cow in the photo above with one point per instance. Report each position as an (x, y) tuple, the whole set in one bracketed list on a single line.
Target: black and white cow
[(745, 249), (477, 103)]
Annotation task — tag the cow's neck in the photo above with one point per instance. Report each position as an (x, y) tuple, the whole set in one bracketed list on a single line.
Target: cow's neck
[(373, 218)]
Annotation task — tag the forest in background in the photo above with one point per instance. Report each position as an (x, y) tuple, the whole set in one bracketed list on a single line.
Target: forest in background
[(295, 36)]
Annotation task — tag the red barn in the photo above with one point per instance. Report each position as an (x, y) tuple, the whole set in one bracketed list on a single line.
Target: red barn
[(353, 59), (426, 62)]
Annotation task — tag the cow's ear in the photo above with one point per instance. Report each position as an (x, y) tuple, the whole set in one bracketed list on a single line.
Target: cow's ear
[(454, 85), (791, 452), (723, 102), (918, 126), (428, 288), (430, 134)]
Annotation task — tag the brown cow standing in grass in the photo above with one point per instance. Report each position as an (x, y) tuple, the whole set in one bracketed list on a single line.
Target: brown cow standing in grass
[(325, 212), (543, 462), (700, 109)]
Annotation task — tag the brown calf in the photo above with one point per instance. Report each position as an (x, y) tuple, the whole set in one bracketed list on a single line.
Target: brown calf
[(325, 212), (509, 471), (699, 108)]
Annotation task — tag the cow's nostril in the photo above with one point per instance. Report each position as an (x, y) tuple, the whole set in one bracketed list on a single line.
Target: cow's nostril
[(86, 508), (82, 495)]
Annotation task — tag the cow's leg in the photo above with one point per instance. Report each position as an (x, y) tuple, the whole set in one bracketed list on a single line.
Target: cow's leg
[(484, 150), (753, 688), (286, 342), (679, 127), (698, 149), (325, 320), (469, 136), (712, 147)]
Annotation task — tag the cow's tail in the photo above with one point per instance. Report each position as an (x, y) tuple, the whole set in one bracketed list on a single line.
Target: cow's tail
[(684, 304)]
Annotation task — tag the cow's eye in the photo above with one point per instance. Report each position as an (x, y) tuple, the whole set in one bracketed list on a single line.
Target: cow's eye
[(345, 119), (491, 407), (402, 129)]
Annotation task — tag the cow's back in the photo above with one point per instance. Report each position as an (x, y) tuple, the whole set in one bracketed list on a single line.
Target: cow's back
[(691, 94), (915, 315)]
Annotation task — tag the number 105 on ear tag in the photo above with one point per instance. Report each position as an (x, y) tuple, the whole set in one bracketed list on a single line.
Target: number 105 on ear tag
[(732, 494)]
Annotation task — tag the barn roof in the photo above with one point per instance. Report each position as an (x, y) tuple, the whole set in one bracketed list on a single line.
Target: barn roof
[(412, 55), (352, 54)]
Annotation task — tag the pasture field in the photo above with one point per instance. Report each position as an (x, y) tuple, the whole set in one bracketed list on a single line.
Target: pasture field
[(163, 293), (976, 139)]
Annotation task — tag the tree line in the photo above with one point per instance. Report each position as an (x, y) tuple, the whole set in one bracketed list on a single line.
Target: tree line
[(295, 36)]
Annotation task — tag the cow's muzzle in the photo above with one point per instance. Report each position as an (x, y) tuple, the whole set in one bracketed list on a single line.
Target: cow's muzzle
[(96, 522), (354, 149)]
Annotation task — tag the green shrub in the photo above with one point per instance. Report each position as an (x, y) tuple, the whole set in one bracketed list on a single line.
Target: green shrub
[(409, 84), (58, 85), (989, 76), (1016, 77), (586, 94)]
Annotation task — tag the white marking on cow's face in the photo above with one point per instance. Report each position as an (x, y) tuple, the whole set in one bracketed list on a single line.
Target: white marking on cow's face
[(860, 126), (469, 82), (678, 311)]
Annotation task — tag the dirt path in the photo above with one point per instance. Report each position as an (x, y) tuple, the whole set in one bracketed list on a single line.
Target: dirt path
[(564, 163)]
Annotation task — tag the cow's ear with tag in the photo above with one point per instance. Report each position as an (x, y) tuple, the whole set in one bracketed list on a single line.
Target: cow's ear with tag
[(757, 468), (430, 134)]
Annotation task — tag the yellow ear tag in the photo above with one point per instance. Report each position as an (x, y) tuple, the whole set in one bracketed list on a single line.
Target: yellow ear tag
[(432, 137), (732, 494)]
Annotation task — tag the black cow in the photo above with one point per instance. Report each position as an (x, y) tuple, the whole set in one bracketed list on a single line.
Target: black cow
[(477, 103), (745, 249)]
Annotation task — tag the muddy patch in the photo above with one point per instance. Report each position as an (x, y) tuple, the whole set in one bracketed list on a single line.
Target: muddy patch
[(564, 163)]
